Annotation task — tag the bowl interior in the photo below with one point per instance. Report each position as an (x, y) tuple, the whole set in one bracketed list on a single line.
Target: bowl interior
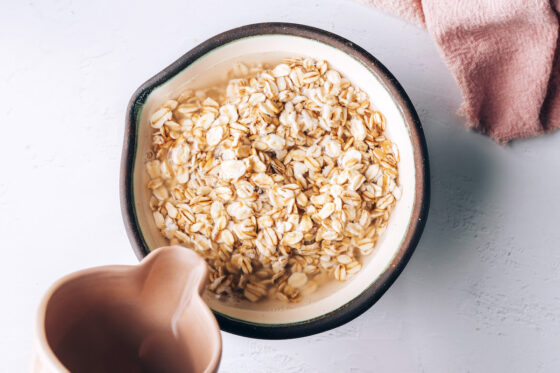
[(211, 69)]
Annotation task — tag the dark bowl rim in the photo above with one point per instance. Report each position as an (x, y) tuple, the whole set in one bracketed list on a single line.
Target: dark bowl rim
[(369, 296)]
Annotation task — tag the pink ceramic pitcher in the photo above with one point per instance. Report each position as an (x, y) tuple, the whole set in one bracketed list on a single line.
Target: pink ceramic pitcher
[(144, 318)]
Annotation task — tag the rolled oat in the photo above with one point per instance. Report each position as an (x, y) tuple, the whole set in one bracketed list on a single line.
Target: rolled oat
[(279, 180)]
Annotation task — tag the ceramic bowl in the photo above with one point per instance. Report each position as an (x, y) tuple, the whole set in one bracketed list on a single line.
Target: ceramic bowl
[(335, 303)]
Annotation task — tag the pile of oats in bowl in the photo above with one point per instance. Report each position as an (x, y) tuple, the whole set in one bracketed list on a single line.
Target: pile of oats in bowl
[(281, 180)]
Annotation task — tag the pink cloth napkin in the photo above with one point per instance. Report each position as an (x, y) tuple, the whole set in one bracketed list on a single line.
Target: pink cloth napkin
[(504, 56)]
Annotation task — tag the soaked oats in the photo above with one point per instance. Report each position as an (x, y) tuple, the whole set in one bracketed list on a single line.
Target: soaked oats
[(280, 180)]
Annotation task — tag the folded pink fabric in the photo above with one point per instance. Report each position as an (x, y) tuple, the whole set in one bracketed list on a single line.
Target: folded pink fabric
[(504, 56)]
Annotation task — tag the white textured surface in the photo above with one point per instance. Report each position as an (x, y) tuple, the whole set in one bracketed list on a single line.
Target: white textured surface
[(481, 293)]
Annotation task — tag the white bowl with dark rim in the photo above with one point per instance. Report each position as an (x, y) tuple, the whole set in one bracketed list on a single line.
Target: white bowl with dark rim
[(334, 303)]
